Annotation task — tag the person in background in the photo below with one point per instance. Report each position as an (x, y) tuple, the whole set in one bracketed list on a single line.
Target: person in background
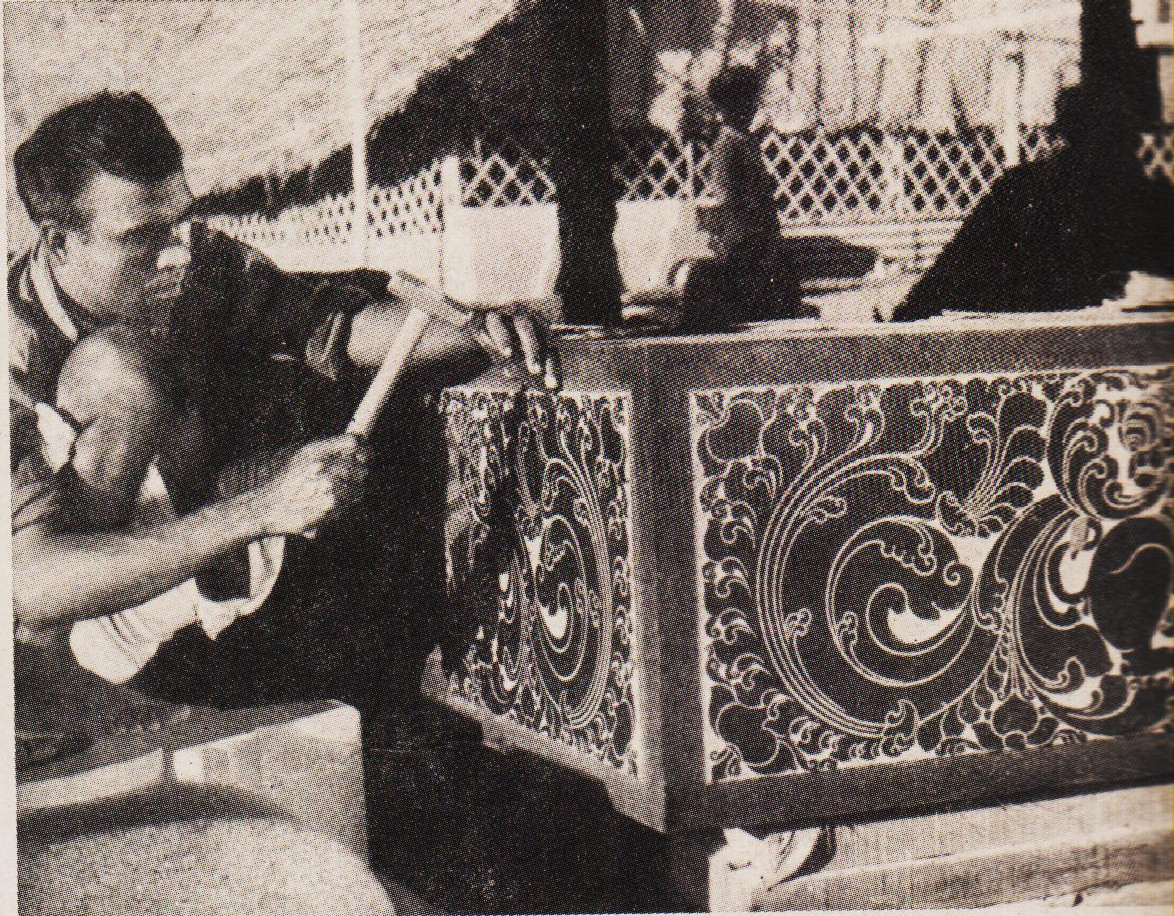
[(1063, 232), (748, 280)]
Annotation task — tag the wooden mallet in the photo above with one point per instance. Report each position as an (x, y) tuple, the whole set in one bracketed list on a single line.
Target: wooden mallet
[(424, 304), (419, 294)]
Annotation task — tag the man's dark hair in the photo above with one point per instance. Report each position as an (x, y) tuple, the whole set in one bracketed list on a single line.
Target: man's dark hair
[(116, 132)]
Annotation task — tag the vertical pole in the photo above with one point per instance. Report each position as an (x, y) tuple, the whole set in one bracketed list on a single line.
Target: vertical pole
[(854, 59), (1012, 84), (458, 275), (817, 19), (357, 99), (723, 29), (450, 201), (581, 139), (894, 162), (685, 221)]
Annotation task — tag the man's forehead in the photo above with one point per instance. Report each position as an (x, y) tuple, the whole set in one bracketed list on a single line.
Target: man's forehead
[(119, 204)]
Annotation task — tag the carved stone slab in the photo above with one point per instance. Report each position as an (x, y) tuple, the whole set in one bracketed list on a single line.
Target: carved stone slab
[(539, 558), (901, 569)]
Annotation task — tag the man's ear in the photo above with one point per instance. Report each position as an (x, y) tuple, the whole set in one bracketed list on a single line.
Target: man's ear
[(54, 236)]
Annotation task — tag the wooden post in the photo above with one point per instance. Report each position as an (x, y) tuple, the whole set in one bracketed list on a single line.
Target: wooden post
[(357, 99), (722, 30), (894, 163), (457, 271), (581, 141), (854, 54), (1012, 85)]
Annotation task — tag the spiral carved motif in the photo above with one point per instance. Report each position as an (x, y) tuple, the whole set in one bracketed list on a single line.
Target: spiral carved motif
[(902, 569), (538, 564)]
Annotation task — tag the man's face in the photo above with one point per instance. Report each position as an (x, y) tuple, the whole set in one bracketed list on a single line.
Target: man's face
[(112, 266)]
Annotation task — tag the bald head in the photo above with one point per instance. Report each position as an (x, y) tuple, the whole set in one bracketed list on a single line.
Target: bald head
[(114, 371), (116, 389)]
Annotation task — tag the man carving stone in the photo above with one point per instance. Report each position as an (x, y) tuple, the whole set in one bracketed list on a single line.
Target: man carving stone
[(103, 180)]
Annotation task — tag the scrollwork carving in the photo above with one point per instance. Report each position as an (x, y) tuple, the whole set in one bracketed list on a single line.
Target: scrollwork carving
[(932, 567), (538, 561)]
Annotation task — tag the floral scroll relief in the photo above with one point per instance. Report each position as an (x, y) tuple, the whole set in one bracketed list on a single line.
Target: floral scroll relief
[(539, 564), (926, 568)]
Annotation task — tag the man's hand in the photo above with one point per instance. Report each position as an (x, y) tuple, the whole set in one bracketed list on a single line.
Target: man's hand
[(61, 575), (506, 335), (317, 482)]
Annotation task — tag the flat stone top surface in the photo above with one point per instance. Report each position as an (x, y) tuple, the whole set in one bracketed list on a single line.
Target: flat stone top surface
[(120, 723), (785, 351), (821, 327), (179, 727)]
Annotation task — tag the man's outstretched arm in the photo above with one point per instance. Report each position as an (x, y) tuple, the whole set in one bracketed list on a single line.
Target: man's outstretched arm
[(504, 334), (329, 322)]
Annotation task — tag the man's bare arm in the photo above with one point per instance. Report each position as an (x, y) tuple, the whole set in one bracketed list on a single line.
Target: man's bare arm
[(279, 309), (375, 327), (60, 577), (504, 334)]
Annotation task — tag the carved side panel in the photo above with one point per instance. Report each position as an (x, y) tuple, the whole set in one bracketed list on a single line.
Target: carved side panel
[(539, 565), (926, 568)]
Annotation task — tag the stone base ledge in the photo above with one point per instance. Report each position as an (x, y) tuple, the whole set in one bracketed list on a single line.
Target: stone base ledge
[(300, 762), (1110, 848)]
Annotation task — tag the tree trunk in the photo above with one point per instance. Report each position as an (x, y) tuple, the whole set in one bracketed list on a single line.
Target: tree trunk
[(581, 144)]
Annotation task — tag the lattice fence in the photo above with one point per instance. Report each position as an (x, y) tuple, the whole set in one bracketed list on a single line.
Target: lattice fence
[(944, 176), (657, 168), (321, 234), (1035, 142), (865, 176), (852, 182), (412, 207), (820, 179), (1157, 155), (330, 222), (504, 174)]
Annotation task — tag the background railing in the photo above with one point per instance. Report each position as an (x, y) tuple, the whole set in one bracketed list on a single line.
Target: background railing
[(903, 193)]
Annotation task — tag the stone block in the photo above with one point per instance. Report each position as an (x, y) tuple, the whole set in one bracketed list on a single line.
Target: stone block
[(807, 573)]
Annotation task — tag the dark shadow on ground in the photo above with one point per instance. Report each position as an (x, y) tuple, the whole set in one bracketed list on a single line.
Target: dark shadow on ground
[(164, 804), (469, 829)]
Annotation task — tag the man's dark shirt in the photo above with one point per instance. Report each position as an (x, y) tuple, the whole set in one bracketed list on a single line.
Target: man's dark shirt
[(1047, 237), (237, 312)]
